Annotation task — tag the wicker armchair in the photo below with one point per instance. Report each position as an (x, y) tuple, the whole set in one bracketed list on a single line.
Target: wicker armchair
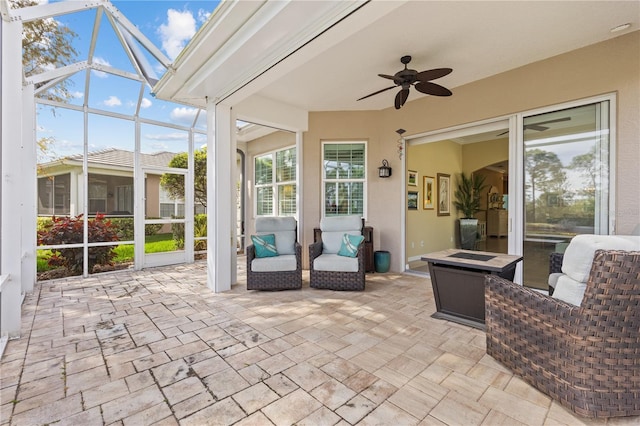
[(283, 272), (327, 269), (586, 357)]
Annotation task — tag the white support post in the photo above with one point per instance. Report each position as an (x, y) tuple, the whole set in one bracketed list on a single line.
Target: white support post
[(11, 209), (220, 182), (299, 186), (29, 189), (233, 202)]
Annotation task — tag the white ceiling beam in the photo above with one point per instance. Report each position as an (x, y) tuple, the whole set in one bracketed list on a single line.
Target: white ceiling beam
[(47, 10), (57, 73), (137, 34)]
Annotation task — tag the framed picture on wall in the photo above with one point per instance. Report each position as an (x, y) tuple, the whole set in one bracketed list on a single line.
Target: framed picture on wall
[(427, 193), (444, 194), (412, 178), (412, 200)]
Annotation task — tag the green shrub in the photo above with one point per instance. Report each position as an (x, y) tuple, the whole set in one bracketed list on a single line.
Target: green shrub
[(199, 230), (44, 223), (124, 226), (69, 230), (152, 228)]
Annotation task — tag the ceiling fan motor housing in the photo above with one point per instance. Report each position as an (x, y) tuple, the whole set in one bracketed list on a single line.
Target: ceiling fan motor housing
[(422, 81)]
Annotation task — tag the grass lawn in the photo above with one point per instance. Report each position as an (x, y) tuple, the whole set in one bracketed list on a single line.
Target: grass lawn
[(157, 243)]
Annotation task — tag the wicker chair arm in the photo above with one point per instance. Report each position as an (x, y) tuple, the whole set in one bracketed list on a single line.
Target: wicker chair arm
[(250, 251), (513, 305), (315, 250), (555, 262)]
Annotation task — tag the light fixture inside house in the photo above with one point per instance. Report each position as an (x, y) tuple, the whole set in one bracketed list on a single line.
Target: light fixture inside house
[(384, 171), (621, 27)]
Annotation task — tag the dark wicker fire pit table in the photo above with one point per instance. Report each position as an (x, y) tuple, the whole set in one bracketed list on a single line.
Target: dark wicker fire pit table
[(457, 278)]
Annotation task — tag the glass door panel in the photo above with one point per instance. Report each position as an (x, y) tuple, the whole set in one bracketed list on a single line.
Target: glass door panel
[(164, 218), (566, 157)]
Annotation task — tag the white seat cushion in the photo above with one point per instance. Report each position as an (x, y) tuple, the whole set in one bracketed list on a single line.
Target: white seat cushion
[(335, 263), (578, 257), (284, 229), (334, 228), (569, 290), (285, 262)]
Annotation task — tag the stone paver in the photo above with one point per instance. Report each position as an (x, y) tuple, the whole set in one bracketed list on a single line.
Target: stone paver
[(158, 347)]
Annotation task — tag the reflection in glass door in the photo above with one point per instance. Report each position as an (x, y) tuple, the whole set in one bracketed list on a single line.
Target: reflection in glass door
[(566, 183)]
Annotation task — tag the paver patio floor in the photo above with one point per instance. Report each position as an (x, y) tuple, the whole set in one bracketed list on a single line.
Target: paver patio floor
[(158, 347)]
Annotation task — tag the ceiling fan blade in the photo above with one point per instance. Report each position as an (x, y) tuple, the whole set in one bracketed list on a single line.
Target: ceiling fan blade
[(375, 93), (390, 77), (401, 98), (433, 74), (432, 89), (535, 127), (557, 120)]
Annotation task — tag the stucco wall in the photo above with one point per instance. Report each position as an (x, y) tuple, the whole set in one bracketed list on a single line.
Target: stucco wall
[(611, 66)]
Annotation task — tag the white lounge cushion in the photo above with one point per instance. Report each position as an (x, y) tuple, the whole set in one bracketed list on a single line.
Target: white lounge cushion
[(569, 290), (578, 257), (553, 279), (284, 229), (335, 263), (333, 229), (286, 262)]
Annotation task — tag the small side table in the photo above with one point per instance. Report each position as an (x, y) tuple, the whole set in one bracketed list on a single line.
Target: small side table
[(457, 278)]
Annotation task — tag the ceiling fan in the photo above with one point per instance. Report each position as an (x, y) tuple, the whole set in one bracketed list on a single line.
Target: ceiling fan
[(539, 126), (420, 80)]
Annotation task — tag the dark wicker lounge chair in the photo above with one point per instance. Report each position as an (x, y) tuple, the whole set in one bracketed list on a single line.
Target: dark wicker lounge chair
[(586, 357), (329, 275), (276, 273)]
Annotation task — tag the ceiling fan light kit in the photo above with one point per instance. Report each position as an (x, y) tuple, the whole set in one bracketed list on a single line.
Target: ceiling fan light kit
[(421, 81)]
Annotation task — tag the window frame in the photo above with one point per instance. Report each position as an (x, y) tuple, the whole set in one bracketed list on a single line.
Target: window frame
[(275, 185), (324, 180)]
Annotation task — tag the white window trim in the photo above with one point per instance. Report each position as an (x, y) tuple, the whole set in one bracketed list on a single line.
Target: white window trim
[(274, 184), (363, 180)]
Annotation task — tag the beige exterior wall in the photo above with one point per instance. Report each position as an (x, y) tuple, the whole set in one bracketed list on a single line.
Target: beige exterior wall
[(609, 67)]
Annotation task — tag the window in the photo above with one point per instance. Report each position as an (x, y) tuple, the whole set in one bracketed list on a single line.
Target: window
[(54, 195), (97, 197), (275, 188), (170, 207), (344, 178)]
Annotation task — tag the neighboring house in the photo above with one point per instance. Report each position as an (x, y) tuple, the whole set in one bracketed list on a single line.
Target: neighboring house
[(110, 185)]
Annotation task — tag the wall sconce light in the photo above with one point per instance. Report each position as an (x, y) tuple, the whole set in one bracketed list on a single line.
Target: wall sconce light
[(384, 171)]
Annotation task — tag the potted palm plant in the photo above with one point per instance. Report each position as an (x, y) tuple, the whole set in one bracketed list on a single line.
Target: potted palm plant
[(467, 201)]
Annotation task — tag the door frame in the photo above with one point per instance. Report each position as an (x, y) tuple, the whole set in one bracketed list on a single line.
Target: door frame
[(186, 255)]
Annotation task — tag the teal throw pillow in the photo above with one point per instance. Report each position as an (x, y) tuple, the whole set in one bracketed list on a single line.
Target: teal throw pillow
[(265, 245), (350, 243)]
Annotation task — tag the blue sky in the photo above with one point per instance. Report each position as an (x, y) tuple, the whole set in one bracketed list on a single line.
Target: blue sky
[(169, 25)]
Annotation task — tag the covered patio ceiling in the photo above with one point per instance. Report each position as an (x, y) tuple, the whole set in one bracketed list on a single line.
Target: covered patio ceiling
[(324, 55)]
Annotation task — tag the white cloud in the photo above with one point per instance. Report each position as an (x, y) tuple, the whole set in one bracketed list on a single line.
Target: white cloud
[(178, 30), (145, 103), (100, 61), (184, 114), (77, 95), (203, 15), (176, 136), (113, 101)]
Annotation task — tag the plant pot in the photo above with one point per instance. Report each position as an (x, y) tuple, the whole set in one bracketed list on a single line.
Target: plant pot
[(382, 260), (468, 233)]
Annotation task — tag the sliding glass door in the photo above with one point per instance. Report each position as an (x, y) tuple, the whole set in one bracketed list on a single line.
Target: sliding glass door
[(566, 182)]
